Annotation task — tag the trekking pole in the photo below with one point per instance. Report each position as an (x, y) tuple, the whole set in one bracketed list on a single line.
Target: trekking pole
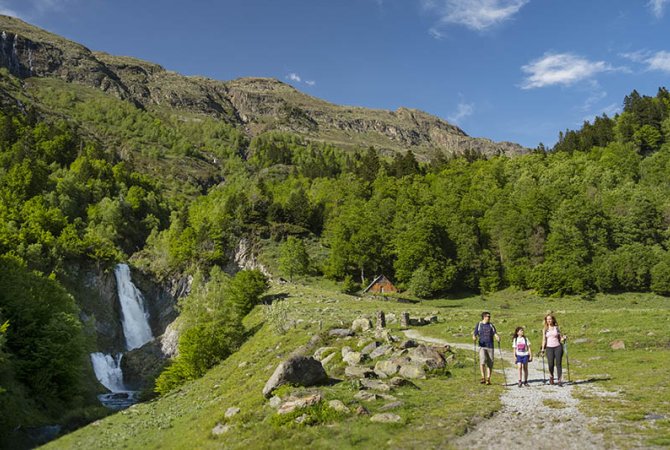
[(544, 376), (567, 358), (474, 360), (502, 362)]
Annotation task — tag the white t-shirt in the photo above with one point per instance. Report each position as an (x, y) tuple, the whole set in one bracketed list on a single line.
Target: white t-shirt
[(521, 346)]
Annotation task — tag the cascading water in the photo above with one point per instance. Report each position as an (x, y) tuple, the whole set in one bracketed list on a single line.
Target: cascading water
[(136, 331), (135, 319)]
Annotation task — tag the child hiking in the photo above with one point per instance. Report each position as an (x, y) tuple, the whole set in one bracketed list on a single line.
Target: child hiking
[(522, 353), (485, 332), (552, 345)]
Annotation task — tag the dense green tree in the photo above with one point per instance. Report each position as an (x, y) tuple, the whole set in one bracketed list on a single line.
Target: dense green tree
[(293, 257)]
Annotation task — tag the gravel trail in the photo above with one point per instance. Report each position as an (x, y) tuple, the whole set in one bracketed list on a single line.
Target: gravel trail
[(525, 421)]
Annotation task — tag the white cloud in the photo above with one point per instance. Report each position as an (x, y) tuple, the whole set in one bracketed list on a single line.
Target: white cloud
[(436, 34), (659, 61), (8, 12), (463, 110), (29, 9), (594, 98), (657, 7), (294, 77), (560, 68), (477, 15), (310, 82)]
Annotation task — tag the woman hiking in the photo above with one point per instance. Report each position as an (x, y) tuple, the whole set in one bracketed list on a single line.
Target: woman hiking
[(552, 346)]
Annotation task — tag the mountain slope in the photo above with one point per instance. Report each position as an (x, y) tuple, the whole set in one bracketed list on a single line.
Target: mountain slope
[(255, 104)]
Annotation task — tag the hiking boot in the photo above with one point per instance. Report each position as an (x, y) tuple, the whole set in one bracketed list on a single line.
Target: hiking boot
[(560, 382), (525, 383), (520, 383), (483, 381), (488, 381), (551, 380)]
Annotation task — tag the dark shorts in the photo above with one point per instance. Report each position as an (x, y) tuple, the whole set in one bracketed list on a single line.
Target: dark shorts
[(522, 359)]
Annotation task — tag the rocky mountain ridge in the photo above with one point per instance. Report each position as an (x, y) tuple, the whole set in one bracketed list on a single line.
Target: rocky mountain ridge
[(254, 104)]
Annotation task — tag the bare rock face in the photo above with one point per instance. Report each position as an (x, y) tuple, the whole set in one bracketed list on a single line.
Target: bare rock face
[(298, 370), (255, 104)]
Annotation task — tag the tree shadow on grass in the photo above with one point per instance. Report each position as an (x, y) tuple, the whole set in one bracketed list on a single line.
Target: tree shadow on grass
[(269, 299)]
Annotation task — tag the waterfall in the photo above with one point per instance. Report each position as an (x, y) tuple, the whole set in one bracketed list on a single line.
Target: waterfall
[(135, 319), (108, 371)]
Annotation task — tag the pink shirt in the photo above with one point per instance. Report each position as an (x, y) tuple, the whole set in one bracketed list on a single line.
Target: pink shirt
[(552, 337)]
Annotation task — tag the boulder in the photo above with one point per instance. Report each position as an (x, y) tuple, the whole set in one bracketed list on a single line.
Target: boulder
[(341, 332), (353, 358), (412, 371), (369, 348), (293, 403), (361, 324), (387, 367), (297, 370), (430, 319), (386, 418), (275, 401), (428, 356), (409, 343), (391, 405), (366, 396), (617, 345), (346, 350), (375, 385), (358, 372), (328, 359), (323, 352), (339, 406), (396, 382), (381, 351), (220, 429), (232, 411)]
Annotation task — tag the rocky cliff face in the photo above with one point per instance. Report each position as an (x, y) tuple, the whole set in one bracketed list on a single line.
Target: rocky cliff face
[(256, 104)]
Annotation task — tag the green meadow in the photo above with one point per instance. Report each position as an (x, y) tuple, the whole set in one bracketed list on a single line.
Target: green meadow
[(627, 390)]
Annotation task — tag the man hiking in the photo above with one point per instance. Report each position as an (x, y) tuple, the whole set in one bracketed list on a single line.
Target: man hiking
[(485, 332)]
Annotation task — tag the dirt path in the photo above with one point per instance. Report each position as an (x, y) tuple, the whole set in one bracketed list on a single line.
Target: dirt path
[(537, 416)]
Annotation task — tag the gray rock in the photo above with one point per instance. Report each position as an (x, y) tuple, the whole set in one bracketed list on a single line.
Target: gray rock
[(370, 348), (322, 352), (328, 359), (400, 382), (275, 401), (392, 405), (409, 343), (358, 372), (412, 372), (340, 332), (232, 411), (386, 418), (362, 411), (366, 396), (345, 350), (294, 403), (430, 319), (581, 341), (297, 370), (339, 406), (387, 367), (353, 358), (220, 429), (618, 345), (361, 324), (428, 356), (381, 351), (375, 385)]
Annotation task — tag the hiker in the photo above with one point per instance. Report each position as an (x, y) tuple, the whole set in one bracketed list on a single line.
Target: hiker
[(485, 331), (552, 345), (522, 354)]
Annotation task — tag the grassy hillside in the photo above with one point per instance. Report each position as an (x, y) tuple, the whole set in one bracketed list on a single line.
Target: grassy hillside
[(442, 407)]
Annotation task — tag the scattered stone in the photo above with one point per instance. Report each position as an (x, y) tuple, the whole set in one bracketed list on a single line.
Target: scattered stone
[(581, 341), (369, 348), (301, 418), (298, 403), (387, 367), (430, 319), (361, 324), (341, 332), (220, 429), (392, 405), (275, 401), (362, 410), (400, 382), (232, 411), (353, 358), (338, 405), (375, 385), (617, 345), (412, 372), (381, 351), (653, 416), (409, 343), (381, 320), (428, 356), (297, 370), (604, 330), (323, 352), (358, 372), (346, 350), (327, 359), (243, 364), (386, 418), (391, 318), (366, 396), (404, 319), (388, 397)]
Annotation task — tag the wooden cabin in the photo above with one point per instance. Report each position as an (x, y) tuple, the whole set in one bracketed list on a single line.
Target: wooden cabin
[(380, 285)]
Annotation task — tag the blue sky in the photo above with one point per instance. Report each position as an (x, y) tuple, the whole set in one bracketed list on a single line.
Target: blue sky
[(515, 70)]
